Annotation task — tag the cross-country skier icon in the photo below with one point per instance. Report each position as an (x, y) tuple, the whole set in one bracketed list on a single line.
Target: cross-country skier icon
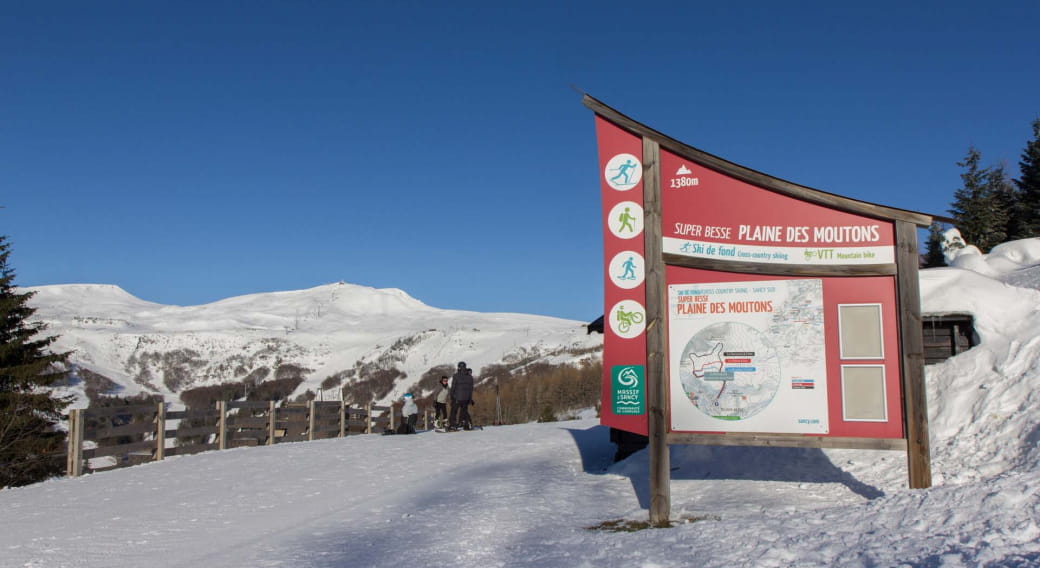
[(624, 171)]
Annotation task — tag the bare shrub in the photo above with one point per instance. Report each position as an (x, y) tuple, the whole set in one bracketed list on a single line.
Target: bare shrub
[(371, 385)]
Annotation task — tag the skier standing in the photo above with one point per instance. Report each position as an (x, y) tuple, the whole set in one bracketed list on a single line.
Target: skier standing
[(461, 397), (440, 404)]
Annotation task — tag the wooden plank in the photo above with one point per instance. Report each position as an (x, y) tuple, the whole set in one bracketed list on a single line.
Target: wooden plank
[(327, 411), (310, 420), (325, 434), (192, 414), (271, 426), (75, 448), (332, 405), (136, 410), (780, 269), (117, 431), (181, 433), (251, 404), (160, 431), (753, 177), (786, 441), (121, 449), (656, 337), (250, 422), (915, 404), (190, 449), (222, 424)]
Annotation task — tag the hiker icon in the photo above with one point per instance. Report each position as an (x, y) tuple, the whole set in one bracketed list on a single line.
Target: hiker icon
[(626, 219)]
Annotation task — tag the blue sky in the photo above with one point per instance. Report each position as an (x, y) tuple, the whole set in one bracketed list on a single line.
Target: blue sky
[(193, 151)]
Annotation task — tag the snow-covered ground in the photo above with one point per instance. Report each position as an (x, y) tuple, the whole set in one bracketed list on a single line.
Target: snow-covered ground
[(526, 495)]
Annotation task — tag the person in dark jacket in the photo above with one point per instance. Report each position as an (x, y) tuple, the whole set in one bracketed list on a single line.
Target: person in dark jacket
[(461, 398)]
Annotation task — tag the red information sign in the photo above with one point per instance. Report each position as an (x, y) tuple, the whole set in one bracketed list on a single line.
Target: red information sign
[(779, 314), (706, 214), (762, 353), (624, 314)]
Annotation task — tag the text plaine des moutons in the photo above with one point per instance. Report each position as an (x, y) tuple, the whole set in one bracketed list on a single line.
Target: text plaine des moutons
[(781, 234)]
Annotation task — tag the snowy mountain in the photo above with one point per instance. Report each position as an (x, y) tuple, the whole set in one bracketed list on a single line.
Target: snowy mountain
[(526, 496), (340, 330)]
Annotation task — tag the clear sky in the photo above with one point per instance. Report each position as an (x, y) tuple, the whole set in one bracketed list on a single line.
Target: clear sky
[(192, 151)]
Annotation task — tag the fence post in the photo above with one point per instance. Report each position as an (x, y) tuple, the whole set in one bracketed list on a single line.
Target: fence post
[(310, 420), (426, 419), (160, 431), (74, 452), (368, 418), (393, 428), (270, 422), (342, 418), (222, 425)]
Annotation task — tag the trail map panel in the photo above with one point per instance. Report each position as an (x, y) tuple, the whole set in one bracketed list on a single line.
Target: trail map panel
[(748, 357)]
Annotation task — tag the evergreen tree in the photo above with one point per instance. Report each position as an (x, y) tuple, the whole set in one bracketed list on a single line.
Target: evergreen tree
[(1027, 207), (1002, 198), (28, 410), (1008, 200), (976, 206), (933, 256)]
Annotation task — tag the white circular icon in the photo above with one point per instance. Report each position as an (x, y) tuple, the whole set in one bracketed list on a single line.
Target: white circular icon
[(626, 220), (627, 319), (627, 269), (623, 172)]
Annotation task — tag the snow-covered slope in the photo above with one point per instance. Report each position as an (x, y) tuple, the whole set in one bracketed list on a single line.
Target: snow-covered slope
[(153, 348), (523, 496)]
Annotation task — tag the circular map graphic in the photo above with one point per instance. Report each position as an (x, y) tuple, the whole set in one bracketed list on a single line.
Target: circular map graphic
[(730, 371)]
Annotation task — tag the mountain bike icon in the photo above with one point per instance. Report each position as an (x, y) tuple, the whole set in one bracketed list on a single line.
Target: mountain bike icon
[(627, 319)]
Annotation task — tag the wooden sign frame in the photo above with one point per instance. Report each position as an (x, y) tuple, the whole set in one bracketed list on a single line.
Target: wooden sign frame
[(904, 269)]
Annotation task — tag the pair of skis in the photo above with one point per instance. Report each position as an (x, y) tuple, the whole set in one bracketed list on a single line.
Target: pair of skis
[(449, 430)]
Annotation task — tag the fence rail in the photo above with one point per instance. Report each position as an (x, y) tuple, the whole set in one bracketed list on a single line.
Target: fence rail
[(112, 437)]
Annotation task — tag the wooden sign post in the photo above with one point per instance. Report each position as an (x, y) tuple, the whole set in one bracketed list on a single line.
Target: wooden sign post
[(742, 309)]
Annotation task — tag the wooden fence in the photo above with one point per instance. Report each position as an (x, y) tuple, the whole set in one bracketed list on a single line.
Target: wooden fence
[(120, 436)]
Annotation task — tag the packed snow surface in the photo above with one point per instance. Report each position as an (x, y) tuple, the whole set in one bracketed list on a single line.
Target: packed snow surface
[(526, 495)]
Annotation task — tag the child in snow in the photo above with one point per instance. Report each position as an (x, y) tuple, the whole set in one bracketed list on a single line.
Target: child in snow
[(409, 415)]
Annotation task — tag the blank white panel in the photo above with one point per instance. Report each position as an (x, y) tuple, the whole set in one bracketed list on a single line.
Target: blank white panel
[(859, 328), (863, 393)]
